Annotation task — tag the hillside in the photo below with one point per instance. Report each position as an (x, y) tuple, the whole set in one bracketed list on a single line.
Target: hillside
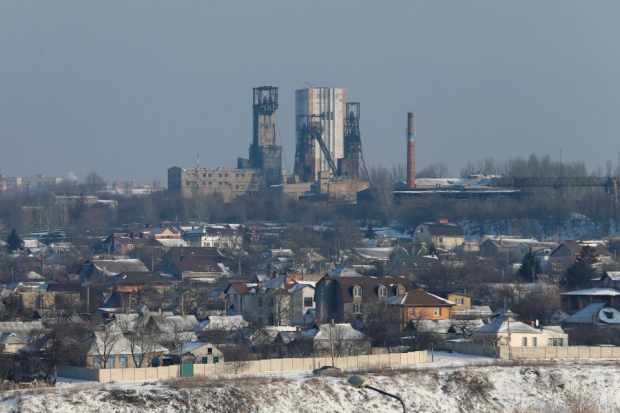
[(449, 385)]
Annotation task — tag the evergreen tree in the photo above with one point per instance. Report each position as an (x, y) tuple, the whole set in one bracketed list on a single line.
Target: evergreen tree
[(370, 233), (14, 241), (582, 271), (529, 266)]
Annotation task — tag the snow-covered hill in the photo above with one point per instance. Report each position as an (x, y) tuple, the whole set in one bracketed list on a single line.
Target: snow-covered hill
[(448, 385)]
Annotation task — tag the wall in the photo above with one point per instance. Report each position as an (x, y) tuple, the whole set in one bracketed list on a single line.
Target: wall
[(519, 353), (254, 366)]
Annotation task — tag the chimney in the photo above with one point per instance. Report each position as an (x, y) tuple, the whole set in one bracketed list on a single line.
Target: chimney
[(410, 152), (443, 220)]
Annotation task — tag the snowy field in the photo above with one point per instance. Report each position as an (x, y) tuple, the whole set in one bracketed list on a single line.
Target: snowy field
[(452, 383)]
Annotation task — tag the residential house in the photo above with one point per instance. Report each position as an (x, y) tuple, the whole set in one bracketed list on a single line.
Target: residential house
[(196, 352), (92, 269), (341, 298), (577, 300), (11, 344), (442, 234), (196, 270), (194, 253), (121, 243), (108, 348), (569, 250), (419, 305), (219, 236), (215, 329), (337, 340), (173, 329), (597, 322), (161, 232), (278, 301), (510, 332), (461, 301), (379, 257), (132, 282)]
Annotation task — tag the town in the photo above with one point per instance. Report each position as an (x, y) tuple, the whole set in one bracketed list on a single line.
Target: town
[(335, 267)]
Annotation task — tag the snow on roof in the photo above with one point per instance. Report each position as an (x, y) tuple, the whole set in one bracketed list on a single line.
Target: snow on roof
[(170, 242), (20, 328), (595, 291), (328, 332), (374, 253), (474, 310), (114, 267), (344, 272), (595, 312), (506, 325), (174, 324), (189, 347), (222, 323)]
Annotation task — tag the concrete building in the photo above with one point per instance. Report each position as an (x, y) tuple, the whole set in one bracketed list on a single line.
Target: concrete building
[(228, 183), (328, 105)]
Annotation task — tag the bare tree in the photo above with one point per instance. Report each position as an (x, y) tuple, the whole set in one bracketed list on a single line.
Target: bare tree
[(434, 170), (104, 341), (382, 191), (94, 182), (382, 324)]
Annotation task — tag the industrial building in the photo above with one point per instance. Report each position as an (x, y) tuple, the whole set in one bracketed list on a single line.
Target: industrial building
[(319, 110), (328, 154), (265, 154), (262, 169)]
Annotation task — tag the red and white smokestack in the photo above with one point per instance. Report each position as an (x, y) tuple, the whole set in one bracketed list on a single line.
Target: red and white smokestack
[(410, 152)]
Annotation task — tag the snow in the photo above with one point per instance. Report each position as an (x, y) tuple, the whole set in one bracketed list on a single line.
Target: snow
[(451, 383)]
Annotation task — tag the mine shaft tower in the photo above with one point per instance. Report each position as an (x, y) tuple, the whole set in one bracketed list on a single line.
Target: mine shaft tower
[(352, 166)]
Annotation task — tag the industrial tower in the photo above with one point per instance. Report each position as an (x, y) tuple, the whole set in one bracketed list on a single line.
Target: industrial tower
[(265, 154)]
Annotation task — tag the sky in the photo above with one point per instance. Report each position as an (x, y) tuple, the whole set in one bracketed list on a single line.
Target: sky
[(130, 88)]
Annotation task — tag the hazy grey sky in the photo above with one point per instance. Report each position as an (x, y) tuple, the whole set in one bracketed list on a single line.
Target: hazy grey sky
[(130, 88)]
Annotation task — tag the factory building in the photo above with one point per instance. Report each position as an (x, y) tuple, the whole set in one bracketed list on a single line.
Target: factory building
[(228, 183), (325, 107)]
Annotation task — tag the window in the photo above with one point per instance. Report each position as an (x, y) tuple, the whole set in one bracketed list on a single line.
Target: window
[(209, 175), (357, 309), (205, 360), (226, 175), (111, 362), (236, 175), (242, 186), (438, 311), (524, 341), (98, 361), (357, 291), (220, 175), (204, 175), (216, 359), (440, 240), (400, 290), (534, 341), (307, 301), (382, 291), (209, 350), (236, 186), (555, 342), (123, 362), (460, 301), (137, 360)]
